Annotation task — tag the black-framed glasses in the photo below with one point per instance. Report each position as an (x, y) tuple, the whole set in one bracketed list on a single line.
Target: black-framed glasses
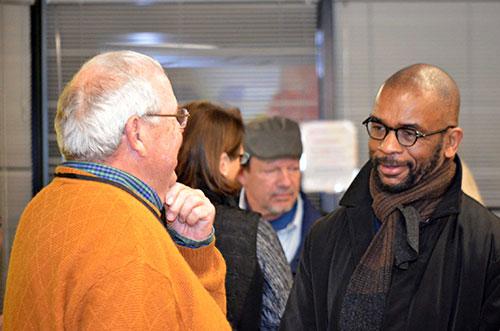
[(181, 116), (406, 136)]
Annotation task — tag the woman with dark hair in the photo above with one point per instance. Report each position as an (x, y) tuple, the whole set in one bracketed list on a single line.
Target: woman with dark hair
[(258, 276)]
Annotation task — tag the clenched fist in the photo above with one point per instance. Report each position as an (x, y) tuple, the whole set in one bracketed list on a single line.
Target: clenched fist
[(189, 212)]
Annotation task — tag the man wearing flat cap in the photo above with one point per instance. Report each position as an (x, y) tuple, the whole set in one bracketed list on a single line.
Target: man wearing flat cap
[(271, 181)]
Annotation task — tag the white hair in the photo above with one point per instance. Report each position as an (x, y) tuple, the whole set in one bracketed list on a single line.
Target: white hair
[(95, 105)]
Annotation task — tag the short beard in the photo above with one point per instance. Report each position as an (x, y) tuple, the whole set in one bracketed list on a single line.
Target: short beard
[(413, 177), (278, 211), (275, 212)]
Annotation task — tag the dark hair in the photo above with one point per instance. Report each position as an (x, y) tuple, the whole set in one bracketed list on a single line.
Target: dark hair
[(211, 131)]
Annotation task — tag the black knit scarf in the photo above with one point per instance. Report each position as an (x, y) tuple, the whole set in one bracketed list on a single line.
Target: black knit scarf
[(396, 243)]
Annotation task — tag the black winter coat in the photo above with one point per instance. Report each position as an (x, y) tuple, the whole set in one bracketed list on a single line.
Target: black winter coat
[(453, 285)]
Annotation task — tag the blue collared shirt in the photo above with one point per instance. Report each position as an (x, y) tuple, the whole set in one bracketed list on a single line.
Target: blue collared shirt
[(117, 176), (290, 235)]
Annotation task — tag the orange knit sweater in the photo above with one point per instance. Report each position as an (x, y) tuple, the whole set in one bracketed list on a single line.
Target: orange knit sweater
[(89, 256)]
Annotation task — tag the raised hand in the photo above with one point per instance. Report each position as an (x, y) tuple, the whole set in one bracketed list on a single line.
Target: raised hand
[(189, 212)]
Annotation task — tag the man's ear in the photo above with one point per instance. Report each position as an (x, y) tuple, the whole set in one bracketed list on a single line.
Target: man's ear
[(242, 176), (452, 142), (134, 135), (224, 161)]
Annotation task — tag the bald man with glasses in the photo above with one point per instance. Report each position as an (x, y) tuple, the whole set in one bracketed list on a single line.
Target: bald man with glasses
[(406, 249)]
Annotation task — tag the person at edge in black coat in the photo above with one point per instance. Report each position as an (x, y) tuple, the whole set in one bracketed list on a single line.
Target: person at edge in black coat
[(406, 249)]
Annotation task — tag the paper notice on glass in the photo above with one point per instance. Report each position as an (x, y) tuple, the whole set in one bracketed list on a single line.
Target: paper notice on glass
[(330, 157)]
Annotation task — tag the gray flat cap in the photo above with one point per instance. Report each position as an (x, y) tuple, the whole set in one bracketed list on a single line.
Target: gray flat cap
[(273, 138)]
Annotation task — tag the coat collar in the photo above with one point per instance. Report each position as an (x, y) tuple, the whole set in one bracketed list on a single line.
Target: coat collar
[(360, 217)]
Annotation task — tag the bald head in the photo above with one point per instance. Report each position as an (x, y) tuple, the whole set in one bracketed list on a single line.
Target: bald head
[(413, 127), (427, 79)]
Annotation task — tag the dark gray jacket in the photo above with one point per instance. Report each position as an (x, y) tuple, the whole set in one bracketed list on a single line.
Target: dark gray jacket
[(236, 239), (453, 285)]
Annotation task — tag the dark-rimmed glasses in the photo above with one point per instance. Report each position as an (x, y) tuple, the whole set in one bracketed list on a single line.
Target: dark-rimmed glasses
[(181, 116), (406, 136)]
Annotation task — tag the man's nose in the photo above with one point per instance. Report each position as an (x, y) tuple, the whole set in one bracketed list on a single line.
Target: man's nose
[(390, 143), (284, 178)]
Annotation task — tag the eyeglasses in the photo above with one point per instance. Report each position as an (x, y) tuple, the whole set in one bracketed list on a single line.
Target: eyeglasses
[(406, 136), (244, 158), (181, 116)]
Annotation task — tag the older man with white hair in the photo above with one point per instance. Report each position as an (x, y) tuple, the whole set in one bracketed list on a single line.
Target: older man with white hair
[(113, 242)]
